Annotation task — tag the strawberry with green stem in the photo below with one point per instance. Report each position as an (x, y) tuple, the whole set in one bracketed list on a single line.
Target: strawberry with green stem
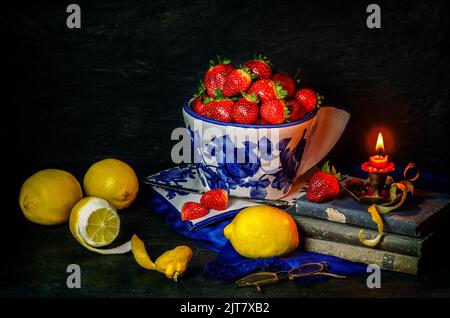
[(260, 67), (296, 110), (200, 99), (274, 111), (286, 82), (324, 185), (237, 81), (309, 99), (246, 109), (216, 75), (267, 89), (219, 108)]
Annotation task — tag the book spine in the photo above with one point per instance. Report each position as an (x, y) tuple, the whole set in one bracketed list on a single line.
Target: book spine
[(341, 233), (354, 217), (389, 261)]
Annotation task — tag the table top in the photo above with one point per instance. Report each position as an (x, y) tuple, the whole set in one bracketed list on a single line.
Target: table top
[(36, 259)]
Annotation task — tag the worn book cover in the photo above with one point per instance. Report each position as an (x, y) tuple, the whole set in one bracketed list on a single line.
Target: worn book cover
[(419, 216), (386, 260), (348, 234)]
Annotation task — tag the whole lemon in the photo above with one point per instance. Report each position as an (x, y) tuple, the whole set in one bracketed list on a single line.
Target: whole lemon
[(48, 196), (262, 231), (112, 180)]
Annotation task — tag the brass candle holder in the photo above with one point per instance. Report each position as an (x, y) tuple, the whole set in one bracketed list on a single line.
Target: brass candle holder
[(378, 181), (378, 167)]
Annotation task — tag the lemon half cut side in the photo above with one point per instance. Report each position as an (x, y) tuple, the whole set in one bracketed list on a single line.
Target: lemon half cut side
[(94, 223)]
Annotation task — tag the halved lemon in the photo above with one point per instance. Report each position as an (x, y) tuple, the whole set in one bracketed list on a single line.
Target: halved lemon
[(94, 222)]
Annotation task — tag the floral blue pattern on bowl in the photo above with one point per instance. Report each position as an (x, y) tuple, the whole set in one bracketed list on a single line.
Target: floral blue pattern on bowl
[(265, 160)]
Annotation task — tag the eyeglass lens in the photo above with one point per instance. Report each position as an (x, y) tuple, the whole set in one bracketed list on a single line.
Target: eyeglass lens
[(306, 269)]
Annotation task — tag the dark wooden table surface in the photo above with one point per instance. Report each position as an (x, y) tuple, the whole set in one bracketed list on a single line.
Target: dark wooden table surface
[(35, 259)]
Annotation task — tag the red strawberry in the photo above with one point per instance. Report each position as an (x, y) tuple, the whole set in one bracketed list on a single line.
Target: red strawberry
[(308, 99), (286, 82), (245, 110), (193, 210), (219, 108), (216, 199), (238, 80), (274, 111), (216, 75), (200, 99), (197, 105), (260, 67), (324, 185), (296, 111), (261, 121), (267, 90)]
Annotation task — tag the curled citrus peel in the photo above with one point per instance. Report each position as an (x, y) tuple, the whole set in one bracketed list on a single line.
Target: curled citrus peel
[(375, 210), (172, 263), (411, 165), (94, 223), (140, 253), (377, 219)]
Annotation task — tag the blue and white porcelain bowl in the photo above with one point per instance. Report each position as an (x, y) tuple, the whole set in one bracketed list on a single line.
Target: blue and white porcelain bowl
[(261, 161)]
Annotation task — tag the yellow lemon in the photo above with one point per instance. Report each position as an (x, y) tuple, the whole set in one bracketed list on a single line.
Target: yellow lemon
[(262, 231), (94, 223), (48, 196), (112, 180)]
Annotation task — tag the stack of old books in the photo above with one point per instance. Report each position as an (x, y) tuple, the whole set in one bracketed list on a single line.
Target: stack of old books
[(409, 233)]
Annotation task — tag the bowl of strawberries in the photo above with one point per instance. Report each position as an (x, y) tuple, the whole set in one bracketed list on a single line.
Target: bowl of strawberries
[(254, 131)]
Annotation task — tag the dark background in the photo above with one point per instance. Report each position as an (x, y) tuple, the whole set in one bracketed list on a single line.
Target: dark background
[(115, 87)]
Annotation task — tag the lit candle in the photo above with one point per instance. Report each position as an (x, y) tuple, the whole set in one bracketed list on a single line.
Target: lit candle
[(379, 160), (378, 163)]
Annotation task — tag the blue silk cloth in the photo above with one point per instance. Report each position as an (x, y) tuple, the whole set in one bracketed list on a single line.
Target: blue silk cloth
[(229, 265)]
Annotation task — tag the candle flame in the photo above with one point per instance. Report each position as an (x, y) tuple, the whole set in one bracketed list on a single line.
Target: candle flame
[(379, 148)]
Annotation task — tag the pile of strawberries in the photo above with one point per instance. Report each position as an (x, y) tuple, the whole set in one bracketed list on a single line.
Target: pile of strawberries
[(252, 94)]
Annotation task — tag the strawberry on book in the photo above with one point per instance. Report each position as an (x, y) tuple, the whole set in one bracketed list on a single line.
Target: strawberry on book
[(324, 185)]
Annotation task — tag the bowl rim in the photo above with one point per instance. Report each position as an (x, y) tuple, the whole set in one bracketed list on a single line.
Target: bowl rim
[(187, 108)]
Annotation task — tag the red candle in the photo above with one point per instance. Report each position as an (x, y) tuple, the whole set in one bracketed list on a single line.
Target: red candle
[(378, 163)]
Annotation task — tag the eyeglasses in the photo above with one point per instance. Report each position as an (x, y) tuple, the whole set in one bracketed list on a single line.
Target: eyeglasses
[(265, 278)]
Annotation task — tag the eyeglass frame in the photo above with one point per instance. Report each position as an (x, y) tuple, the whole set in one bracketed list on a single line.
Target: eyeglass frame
[(276, 276)]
